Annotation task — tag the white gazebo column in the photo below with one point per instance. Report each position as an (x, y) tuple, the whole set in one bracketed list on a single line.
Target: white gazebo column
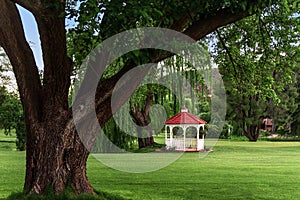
[(184, 131), (201, 145), (166, 135), (171, 135), (197, 141)]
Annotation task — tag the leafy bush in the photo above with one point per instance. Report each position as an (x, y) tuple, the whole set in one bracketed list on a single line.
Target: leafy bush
[(21, 135), (227, 130), (11, 117)]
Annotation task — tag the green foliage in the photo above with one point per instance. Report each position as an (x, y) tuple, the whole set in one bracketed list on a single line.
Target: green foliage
[(205, 113), (282, 114), (97, 20), (20, 134), (226, 132), (11, 117), (295, 125), (116, 135), (282, 139), (205, 116), (258, 66), (93, 21)]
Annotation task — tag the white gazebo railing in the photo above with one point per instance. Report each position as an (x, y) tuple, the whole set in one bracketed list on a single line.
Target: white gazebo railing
[(189, 143)]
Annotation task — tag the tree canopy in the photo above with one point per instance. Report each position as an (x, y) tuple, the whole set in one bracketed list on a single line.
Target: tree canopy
[(259, 66)]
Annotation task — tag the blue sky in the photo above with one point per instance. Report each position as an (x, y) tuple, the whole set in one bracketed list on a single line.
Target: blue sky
[(32, 35)]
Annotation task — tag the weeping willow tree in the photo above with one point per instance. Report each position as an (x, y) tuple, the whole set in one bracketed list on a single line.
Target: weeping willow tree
[(183, 85), (190, 94)]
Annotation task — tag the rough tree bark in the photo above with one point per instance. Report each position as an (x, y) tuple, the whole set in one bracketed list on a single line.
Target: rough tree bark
[(54, 151)]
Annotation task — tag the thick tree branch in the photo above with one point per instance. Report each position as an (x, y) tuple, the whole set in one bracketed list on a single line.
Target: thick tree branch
[(13, 40), (206, 25), (181, 24), (57, 65), (147, 106)]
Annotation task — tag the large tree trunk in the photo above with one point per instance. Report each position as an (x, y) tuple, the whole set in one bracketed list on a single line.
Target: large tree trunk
[(54, 151), (51, 158), (56, 157)]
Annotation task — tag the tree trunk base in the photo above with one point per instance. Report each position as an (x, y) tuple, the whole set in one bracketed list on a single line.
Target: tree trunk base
[(80, 183)]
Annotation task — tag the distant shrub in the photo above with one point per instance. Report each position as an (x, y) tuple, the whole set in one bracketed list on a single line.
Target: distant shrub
[(282, 139), (20, 134)]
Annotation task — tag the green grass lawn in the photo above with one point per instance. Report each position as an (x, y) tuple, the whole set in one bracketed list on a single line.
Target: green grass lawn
[(12, 165), (235, 170)]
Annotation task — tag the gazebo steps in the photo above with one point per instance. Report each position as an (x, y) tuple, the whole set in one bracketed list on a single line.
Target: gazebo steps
[(194, 150), (188, 150)]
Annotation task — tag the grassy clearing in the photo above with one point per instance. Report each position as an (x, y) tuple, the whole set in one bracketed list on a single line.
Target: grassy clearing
[(235, 170), (12, 165), (7, 138)]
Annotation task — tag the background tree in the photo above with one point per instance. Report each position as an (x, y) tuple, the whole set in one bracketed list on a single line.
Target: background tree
[(295, 125), (282, 114), (11, 113), (258, 66), (50, 130), (11, 117)]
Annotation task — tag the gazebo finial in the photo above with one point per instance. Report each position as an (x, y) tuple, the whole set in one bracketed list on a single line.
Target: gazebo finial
[(184, 109)]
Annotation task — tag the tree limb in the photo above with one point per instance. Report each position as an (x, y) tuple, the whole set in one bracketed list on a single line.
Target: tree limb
[(206, 25), (57, 65), (181, 24), (147, 105), (13, 41)]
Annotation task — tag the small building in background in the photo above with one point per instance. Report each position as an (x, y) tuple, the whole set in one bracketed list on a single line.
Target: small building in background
[(267, 124)]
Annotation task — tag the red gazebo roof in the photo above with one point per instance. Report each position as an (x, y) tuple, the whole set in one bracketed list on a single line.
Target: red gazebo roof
[(185, 118)]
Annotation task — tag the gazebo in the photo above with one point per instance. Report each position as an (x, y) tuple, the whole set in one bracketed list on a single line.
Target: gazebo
[(183, 141)]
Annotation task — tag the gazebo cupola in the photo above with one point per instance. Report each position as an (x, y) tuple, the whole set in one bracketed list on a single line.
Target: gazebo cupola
[(184, 142)]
